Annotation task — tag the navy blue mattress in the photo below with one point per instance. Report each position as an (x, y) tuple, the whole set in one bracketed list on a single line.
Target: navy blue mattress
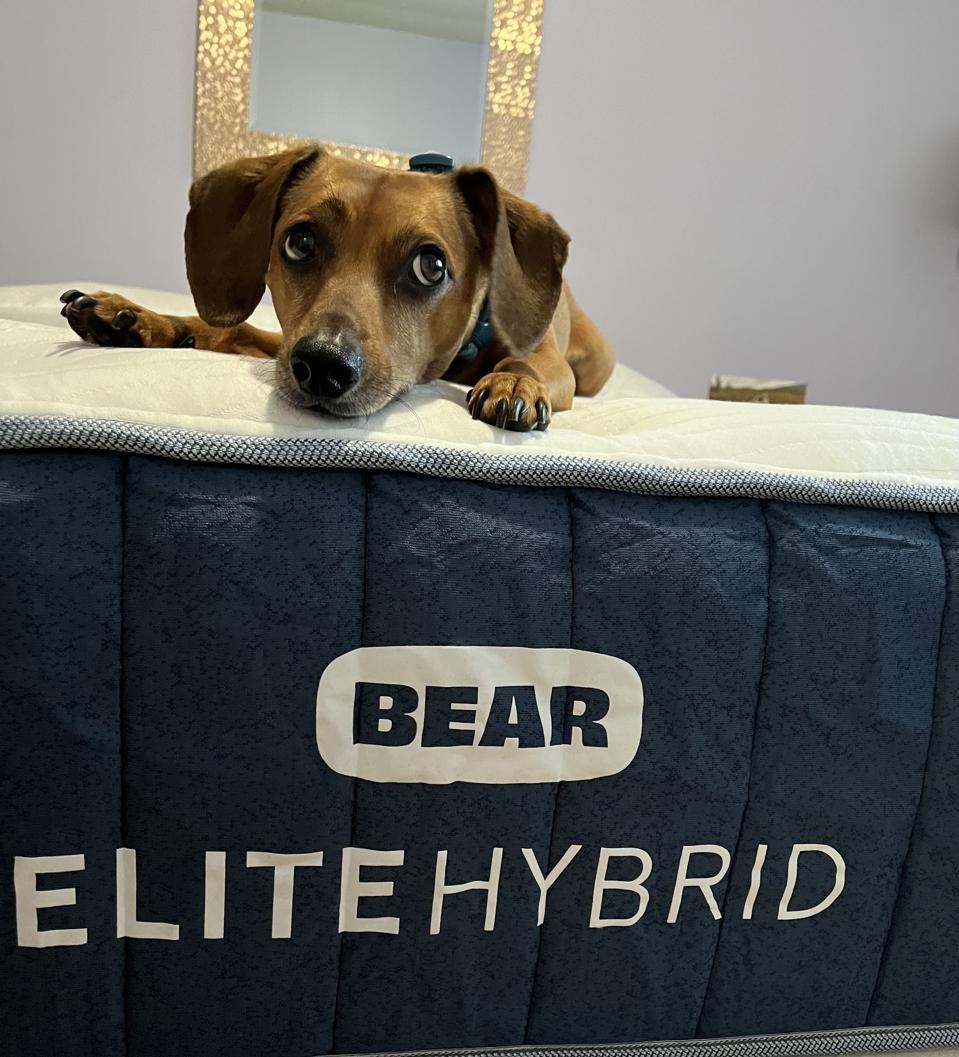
[(164, 627)]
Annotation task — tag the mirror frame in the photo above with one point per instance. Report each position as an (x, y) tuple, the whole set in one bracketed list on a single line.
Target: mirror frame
[(224, 46)]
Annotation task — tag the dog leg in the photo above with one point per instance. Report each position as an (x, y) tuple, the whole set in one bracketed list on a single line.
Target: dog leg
[(522, 394), (589, 353), (110, 319)]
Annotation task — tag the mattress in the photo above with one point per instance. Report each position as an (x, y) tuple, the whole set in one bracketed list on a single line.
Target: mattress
[(403, 734)]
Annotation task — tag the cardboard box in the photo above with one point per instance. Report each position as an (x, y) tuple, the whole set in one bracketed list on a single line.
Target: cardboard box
[(756, 390)]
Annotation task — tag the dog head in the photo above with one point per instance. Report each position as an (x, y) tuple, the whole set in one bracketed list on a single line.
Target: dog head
[(378, 276)]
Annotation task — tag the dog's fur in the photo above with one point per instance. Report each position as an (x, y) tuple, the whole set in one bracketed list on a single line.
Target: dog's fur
[(357, 293)]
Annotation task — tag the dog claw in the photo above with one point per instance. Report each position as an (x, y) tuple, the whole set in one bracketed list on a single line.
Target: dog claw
[(516, 421), (69, 295), (469, 396), (123, 319), (542, 415), (189, 342), (502, 412), (478, 403), (82, 302)]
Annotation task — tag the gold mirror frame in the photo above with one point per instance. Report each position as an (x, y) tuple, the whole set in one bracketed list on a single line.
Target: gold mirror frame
[(221, 131)]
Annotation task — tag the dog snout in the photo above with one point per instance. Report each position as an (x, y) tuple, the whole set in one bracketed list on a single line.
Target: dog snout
[(325, 370)]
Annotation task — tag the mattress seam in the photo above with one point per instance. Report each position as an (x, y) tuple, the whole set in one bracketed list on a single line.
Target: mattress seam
[(539, 469), (749, 779), (364, 477), (122, 698), (552, 826), (903, 866), (834, 1042)]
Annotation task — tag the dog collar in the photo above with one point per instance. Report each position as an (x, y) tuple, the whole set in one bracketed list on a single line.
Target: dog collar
[(481, 337)]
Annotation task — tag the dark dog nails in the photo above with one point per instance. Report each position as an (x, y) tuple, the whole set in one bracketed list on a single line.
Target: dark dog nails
[(69, 295), (469, 396), (83, 302), (502, 413), (478, 403), (123, 319), (189, 342), (542, 415), (516, 421)]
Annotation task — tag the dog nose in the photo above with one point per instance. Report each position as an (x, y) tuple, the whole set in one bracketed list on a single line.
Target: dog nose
[(324, 369)]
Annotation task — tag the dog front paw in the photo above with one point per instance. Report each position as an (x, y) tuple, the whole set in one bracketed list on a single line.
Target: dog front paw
[(510, 401), (109, 319)]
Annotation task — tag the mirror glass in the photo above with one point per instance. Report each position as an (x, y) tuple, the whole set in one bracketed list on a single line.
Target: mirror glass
[(397, 75)]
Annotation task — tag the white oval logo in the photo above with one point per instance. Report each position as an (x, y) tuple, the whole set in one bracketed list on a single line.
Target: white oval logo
[(497, 715)]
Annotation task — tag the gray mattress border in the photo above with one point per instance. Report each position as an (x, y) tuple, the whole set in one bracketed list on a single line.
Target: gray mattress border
[(18, 432), (833, 1043)]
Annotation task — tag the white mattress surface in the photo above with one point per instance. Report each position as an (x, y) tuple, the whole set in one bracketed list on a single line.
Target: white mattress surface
[(46, 371)]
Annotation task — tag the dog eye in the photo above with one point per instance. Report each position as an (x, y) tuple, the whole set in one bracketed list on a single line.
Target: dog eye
[(299, 244), (428, 267)]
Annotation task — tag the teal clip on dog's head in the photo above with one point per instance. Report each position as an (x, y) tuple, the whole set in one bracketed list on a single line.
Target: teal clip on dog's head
[(431, 162)]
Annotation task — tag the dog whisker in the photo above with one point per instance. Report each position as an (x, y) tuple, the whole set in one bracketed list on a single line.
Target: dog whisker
[(412, 410)]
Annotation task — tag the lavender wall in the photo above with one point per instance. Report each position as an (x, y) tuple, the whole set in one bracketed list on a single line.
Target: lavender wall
[(763, 187), (96, 139)]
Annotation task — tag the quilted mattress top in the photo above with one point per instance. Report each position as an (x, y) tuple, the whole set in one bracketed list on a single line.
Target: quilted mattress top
[(56, 391)]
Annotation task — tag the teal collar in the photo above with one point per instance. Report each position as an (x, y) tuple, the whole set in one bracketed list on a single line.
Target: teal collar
[(481, 337)]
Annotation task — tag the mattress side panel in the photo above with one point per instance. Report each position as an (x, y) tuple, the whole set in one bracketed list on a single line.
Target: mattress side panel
[(920, 978), (454, 564), (677, 588), (788, 657), (60, 752), (240, 586), (843, 727)]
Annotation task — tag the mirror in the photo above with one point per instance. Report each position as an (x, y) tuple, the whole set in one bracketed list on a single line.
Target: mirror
[(401, 75), (371, 79)]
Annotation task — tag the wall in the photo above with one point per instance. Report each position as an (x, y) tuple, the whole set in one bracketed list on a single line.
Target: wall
[(96, 140), (411, 93), (764, 187), (754, 186)]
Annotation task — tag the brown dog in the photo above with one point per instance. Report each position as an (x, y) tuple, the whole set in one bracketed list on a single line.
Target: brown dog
[(379, 279)]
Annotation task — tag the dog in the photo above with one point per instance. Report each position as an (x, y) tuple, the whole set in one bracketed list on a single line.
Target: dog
[(381, 280)]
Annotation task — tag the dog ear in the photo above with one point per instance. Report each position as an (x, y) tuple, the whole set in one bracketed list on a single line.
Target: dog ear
[(229, 230), (524, 249)]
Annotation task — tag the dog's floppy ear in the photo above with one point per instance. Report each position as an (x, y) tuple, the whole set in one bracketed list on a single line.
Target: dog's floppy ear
[(524, 249), (229, 230)]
